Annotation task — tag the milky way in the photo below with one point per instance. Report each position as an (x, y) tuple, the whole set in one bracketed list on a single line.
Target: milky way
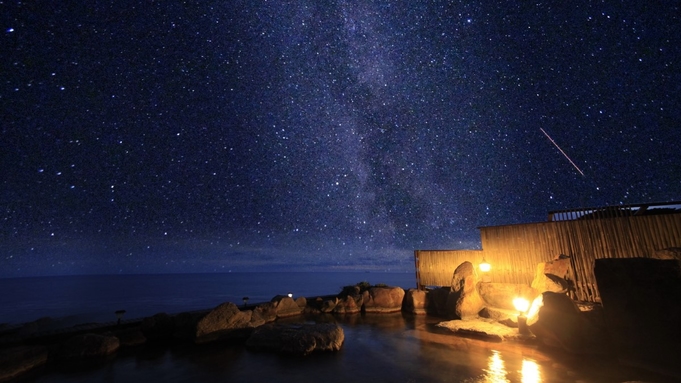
[(239, 135)]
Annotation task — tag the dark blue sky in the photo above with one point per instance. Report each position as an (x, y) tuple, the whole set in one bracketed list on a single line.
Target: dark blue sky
[(241, 135)]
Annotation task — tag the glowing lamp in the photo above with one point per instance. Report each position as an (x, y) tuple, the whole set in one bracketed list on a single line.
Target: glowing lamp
[(522, 304), (290, 295), (484, 266)]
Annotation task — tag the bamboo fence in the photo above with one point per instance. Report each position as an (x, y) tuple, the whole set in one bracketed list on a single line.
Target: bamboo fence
[(514, 251)]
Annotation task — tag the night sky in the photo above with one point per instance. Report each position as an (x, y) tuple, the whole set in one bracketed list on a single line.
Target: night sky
[(167, 136)]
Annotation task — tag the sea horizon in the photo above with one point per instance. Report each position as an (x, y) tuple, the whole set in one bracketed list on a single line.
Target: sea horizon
[(95, 297)]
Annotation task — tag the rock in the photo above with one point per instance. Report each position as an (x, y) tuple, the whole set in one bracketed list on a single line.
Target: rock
[(437, 301), (286, 307), (36, 326), (559, 323), (486, 329), (415, 301), (263, 313), (328, 305), (18, 360), (381, 299), (464, 301), (504, 316), (668, 253), (222, 323), (642, 312), (159, 327), (542, 282), (297, 339), (86, 347), (301, 302), (130, 337), (185, 325), (348, 305), (501, 295)]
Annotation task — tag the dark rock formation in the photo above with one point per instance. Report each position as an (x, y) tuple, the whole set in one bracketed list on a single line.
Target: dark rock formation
[(129, 337), (380, 299), (222, 322), (297, 339), (642, 305), (17, 360), (464, 301), (86, 347), (415, 302), (437, 301), (159, 327), (561, 324)]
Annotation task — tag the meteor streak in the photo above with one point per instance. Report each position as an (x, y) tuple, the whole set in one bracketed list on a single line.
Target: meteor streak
[(561, 150)]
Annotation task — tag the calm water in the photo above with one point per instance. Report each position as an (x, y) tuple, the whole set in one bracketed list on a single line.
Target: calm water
[(377, 348)]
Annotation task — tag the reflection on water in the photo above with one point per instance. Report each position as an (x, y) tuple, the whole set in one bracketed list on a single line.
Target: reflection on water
[(496, 373), (530, 372), (377, 348)]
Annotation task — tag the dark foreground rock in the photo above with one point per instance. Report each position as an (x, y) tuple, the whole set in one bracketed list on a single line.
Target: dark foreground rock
[(642, 304), (299, 339), (86, 347), (17, 360), (561, 324), (415, 302)]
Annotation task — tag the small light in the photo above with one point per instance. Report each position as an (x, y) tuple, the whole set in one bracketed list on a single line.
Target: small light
[(290, 295), (484, 266)]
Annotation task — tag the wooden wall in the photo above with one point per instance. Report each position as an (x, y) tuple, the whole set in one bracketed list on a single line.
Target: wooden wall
[(515, 250)]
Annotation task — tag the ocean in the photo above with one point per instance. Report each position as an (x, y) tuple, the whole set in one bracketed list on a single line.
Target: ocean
[(378, 347), (95, 298)]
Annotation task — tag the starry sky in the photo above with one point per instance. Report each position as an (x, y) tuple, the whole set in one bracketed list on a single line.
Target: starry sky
[(168, 136)]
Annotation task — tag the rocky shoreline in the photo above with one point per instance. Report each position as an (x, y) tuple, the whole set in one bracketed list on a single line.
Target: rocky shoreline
[(468, 308)]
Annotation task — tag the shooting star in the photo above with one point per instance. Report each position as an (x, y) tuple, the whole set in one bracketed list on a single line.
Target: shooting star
[(561, 150)]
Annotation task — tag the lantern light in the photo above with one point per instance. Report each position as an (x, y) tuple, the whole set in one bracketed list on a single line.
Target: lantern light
[(484, 266)]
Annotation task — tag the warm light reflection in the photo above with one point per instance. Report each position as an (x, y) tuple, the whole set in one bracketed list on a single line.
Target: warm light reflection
[(530, 372), (532, 315), (496, 372)]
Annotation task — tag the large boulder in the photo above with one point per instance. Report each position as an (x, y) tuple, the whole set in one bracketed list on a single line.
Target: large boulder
[(86, 347), (383, 299), (415, 301), (223, 322), (640, 299), (300, 339), (501, 295), (559, 323), (18, 360), (464, 301)]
